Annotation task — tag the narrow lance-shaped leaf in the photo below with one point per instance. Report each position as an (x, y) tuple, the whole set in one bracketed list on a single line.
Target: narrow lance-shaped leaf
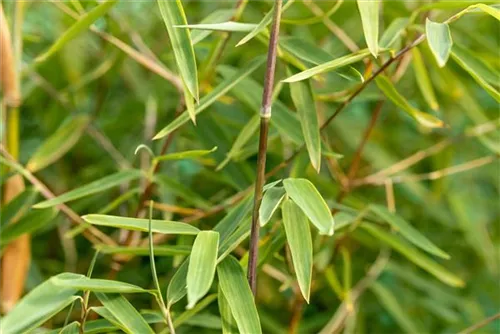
[(28, 315), (329, 66), (139, 224), (81, 282), (391, 304), (307, 197), (210, 98), (184, 155), (369, 11), (229, 325), (202, 263), (270, 202), (392, 33), (235, 288), (131, 320), (173, 14), (16, 207), (439, 39), (164, 250), (390, 91), (92, 188), (266, 20), (298, 236), (177, 286), (78, 27), (60, 142), (414, 255), (423, 80), (302, 97), (481, 72), (220, 15), (408, 231), (222, 26)]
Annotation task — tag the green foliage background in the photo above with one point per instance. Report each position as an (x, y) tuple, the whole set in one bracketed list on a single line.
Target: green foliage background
[(127, 104)]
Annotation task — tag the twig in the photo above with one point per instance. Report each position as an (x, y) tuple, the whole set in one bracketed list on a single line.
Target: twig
[(261, 159), (480, 324), (93, 234)]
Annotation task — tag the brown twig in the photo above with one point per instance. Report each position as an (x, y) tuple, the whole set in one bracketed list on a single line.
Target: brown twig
[(261, 158), (480, 324)]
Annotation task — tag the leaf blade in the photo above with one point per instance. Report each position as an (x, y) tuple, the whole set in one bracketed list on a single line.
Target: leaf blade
[(439, 40), (369, 11)]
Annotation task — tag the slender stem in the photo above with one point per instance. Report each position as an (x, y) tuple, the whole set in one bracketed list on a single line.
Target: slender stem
[(265, 114), (480, 324)]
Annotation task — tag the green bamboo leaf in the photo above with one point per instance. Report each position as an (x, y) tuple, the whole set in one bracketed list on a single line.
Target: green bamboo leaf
[(481, 72), (177, 287), (106, 314), (329, 66), (38, 306), (222, 26), (414, 255), (303, 100), (495, 12), (187, 315), (395, 309), (270, 202), (393, 32), (423, 80), (233, 220), (92, 188), (84, 22), (210, 98), (229, 325), (185, 155), (60, 142), (221, 15), (72, 328), (298, 236), (235, 288), (172, 13), (81, 282), (202, 263), (427, 120), (132, 321), (242, 139), (16, 207), (407, 231), (29, 223), (163, 250), (307, 197), (369, 11), (266, 20), (139, 224), (439, 40)]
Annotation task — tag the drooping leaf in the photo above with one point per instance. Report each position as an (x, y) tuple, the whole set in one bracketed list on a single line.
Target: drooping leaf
[(414, 255), (395, 309), (177, 286), (298, 236), (302, 97), (369, 11), (329, 66), (29, 223), (484, 75), (16, 207), (309, 200), (77, 28), (132, 321), (235, 288), (202, 263), (139, 224), (28, 313), (81, 282), (222, 26), (210, 98), (408, 231), (393, 32), (184, 155), (173, 14), (229, 325), (164, 250), (427, 120), (221, 15), (266, 20), (60, 142), (439, 39), (423, 80), (270, 202), (92, 188)]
